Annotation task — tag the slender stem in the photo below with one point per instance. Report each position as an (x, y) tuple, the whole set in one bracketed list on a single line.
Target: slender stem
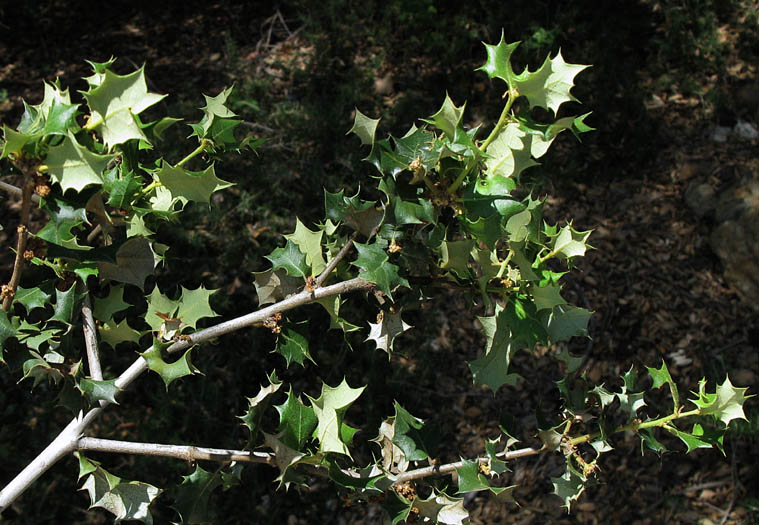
[(18, 192), (449, 468), (9, 291), (204, 143), (635, 426), (185, 452), (336, 260), (513, 94), (462, 176), (91, 339)]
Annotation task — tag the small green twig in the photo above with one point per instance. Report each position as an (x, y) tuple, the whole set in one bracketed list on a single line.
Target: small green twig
[(204, 143), (9, 290)]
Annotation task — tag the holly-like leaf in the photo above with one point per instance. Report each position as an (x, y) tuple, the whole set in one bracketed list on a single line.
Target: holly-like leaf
[(135, 261), (566, 321), (329, 409), (362, 216), (257, 405), (661, 377), (159, 307), (570, 243), (508, 156), (191, 497), (293, 346), (218, 124), (38, 368), (454, 256), (448, 117), (631, 399), (113, 333), (31, 298), (377, 268), (127, 500), (410, 436), (546, 297), (492, 369), (550, 85), (66, 303), (73, 166), (726, 403), (113, 303), (115, 102), (274, 285), (61, 234), (169, 372), (121, 190), (389, 325), (194, 305), (191, 186), (310, 243), (441, 509), (7, 330), (568, 487), (290, 259), (296, 421), (498, 64), (286, 459), (692, 441), (332, 305), (96, 391), (365, 128), (647, 440)]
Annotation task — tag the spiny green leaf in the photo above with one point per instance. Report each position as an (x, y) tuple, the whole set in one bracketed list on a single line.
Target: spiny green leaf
[(191, 497), (455, 256), (550, 85), (570, 243), (169, 372), (127, 500), (296, 421), (332, 305), (631, 399), (377, 268), (364, 128), (113, 333), (290, 259), (274, 285), (310, 243), (113, 303), (389, 325), (286, 459), (566, 321), (96, 391), (568, 487), (441, 509), (73, 166), (32, 298), (158, 303), (190, 186), (7, 330), (448, 117), (194, 305), (115, 101), (329, 409), (410, 436), (647, 440), (293, 346), (61, 234), (725, 404), (498, 64), (546, 297), (257, 405), (508, 156), (135, 261), (66, 305)]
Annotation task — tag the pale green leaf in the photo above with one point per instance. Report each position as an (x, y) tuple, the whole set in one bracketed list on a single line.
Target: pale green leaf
[(329, 409), (73, 166), (550, 85), (388, 327)]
